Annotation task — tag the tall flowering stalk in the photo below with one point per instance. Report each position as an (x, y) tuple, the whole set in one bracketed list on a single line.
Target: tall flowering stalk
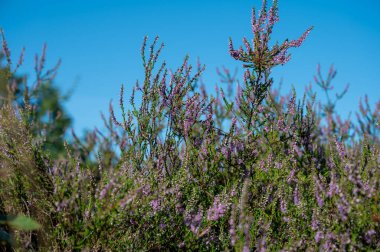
[(259, 58)]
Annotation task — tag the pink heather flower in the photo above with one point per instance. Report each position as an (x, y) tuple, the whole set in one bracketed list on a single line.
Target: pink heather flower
[(267, 128), (146, 189), (187, 125), (233, 236), (273, 16), (247, 237), (106, 189), (217, 210), (204, 149), (194, 221), (155, 204), (298, 42), (246, 248), (369, 235), (330, 163), (262, 13), (319, 188), (314, 222), (292, 105), (253, 21), (291, 176), (237, 146), (281, 124), (333, 188), (262, 166), (281, 58), (329, 243), (231, 222), (343, 211), (320, 201), (247, 45), (194, 228), (239, 94), (226, 152), (340, 148), (283, 206), (296, 149), (296, 197), (278, 165), (318, 236), (262, 244), (181, 245), (234, 53)]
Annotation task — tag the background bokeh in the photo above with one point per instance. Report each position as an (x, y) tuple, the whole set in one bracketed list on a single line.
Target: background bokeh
[(99, 43)]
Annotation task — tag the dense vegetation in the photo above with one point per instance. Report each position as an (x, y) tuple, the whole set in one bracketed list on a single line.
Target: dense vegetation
[(185, 170)]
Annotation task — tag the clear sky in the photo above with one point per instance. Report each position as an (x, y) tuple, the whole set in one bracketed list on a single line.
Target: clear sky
[(99, 43)]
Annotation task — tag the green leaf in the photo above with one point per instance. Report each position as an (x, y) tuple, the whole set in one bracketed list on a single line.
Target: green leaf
[(23, 223)]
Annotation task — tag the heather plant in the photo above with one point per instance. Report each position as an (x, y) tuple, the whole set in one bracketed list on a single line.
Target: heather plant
[(181, 169)]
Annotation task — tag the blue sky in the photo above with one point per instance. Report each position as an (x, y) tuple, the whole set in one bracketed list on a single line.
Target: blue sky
[(99, 43)]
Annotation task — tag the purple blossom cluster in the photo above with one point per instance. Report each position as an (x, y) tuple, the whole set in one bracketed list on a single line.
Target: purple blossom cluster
[(261, 56), (217, 210)]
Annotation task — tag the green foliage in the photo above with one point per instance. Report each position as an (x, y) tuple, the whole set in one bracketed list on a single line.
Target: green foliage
[(20, 223)]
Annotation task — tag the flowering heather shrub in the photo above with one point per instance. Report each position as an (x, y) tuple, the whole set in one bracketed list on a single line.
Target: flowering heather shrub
[(185, 170)]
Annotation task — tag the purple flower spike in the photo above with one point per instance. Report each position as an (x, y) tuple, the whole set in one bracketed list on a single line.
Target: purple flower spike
[(260, 55), (217, 210)]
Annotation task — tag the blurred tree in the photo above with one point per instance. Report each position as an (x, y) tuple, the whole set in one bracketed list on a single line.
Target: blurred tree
[(47, 116)]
